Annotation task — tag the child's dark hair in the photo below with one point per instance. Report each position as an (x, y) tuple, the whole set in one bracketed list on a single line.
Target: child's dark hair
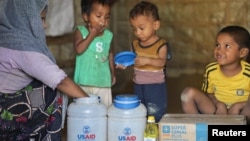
[(240, 35), (86, 5), (145, 8)]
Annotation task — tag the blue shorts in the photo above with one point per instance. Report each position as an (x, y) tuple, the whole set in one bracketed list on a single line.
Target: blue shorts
[(154, 97)]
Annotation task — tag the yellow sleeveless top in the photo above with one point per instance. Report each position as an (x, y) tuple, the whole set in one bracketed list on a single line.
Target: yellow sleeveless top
[(150, 51)]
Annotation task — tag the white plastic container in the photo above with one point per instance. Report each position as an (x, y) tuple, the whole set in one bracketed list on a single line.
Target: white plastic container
[(126, 119), (87, 120)]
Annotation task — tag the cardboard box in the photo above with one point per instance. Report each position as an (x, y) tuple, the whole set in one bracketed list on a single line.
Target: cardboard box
[(193, 127)]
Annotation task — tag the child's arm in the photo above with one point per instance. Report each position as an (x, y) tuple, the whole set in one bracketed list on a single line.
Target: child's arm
[(112, 65), (80, 44), (157, 62)]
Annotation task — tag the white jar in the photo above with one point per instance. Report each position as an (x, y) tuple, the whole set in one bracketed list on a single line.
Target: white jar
[(87, 120), (126, 119)]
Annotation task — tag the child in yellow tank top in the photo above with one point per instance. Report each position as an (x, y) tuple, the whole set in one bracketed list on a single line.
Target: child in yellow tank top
[(149, 65)]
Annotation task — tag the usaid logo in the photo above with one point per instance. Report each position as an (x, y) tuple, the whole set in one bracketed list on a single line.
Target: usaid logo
[(127, 131), (127, 135), (86, 129), (86, 136)]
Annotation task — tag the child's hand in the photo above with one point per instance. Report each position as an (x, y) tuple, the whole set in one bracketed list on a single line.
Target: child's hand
[(120, 66), (221, 109), (141, 61), (113, 80), (100, 27), (97, 29), (236, 108)]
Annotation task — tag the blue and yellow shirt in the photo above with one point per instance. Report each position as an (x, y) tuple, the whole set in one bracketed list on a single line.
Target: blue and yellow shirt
[(227, 89)]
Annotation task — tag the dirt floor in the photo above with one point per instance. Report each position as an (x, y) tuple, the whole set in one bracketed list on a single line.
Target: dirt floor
[(175, 85)]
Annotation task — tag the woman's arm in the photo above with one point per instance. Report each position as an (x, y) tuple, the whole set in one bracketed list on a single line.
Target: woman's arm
[(70, 88)]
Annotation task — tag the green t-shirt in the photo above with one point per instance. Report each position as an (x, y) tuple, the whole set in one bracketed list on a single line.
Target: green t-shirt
[(92, 66)]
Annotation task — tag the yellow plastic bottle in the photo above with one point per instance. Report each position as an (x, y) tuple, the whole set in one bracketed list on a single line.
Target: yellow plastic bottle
[(151, 132)]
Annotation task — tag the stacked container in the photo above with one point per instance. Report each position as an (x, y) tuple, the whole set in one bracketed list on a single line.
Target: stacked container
[(126, 119), (87, 120)]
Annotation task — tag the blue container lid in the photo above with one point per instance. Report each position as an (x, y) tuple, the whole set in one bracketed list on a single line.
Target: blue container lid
[(127, 97), (126, 101)]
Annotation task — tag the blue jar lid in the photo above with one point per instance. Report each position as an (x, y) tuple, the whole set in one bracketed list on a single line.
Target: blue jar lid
[(127, 97), (126, 101)]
